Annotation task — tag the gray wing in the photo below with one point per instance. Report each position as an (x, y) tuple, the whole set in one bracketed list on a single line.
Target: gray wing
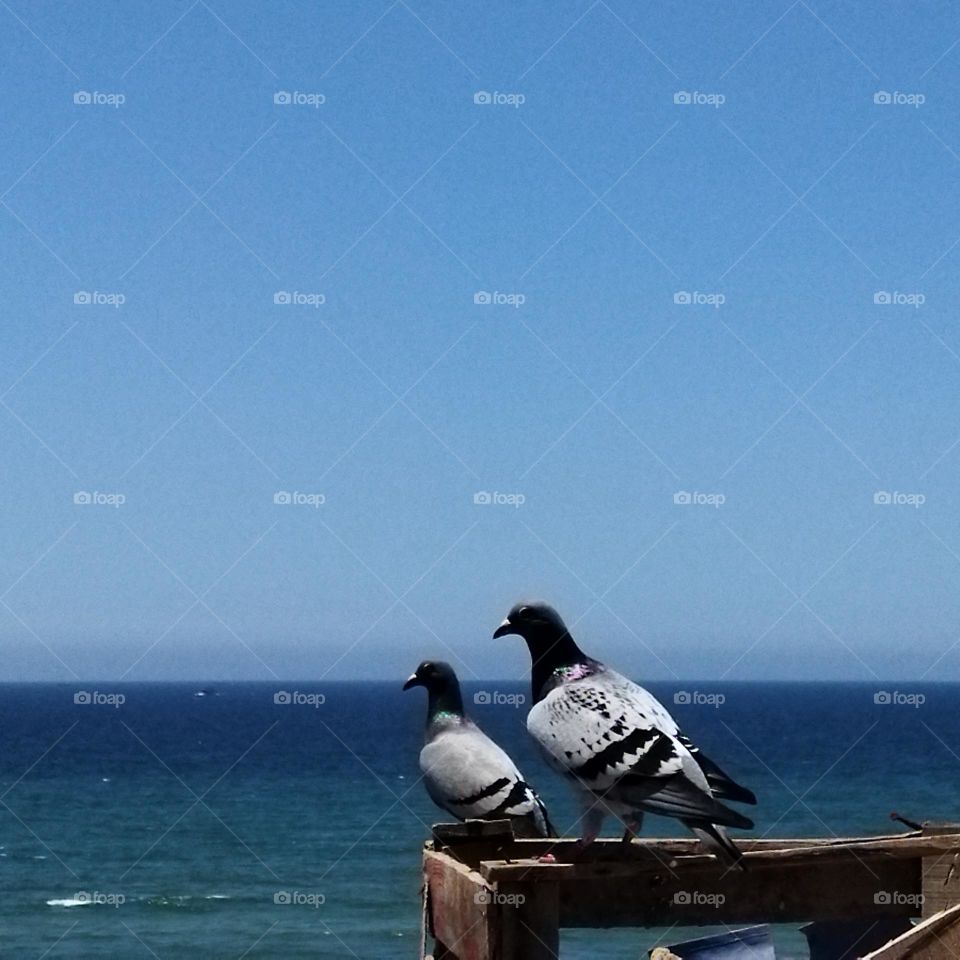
[(468, 775)]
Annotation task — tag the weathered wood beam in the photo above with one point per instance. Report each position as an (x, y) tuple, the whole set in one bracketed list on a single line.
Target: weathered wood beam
[(626, 862), (530, 921), (490, 899), (462, 919), (813, 882), (767, 894), (936, 938), (472, 920), (941, 873)]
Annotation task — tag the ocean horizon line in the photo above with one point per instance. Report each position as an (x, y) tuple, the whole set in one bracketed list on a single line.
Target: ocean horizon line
[(201, 683)]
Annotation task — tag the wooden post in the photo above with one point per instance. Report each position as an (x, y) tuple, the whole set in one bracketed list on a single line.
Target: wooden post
[(940, 884), (462, 914), (529, 920)]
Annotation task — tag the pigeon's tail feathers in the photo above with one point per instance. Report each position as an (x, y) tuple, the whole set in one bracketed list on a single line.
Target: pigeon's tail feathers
[(526, 811), (679, 797), (532, 827), (715, 839), (536, 824), (721, 785), (548, 828)]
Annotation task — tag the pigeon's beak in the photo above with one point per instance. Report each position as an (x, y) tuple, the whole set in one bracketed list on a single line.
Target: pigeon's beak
[(412, 681), (503, 630)]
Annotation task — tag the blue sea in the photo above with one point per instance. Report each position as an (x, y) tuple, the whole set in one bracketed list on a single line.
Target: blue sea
[(146, 821)]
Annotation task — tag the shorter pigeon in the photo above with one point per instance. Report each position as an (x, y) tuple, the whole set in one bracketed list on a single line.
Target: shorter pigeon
[(465, 772), (618, 745)]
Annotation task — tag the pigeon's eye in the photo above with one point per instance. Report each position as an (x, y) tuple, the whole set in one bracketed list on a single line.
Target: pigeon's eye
[(524, 612)]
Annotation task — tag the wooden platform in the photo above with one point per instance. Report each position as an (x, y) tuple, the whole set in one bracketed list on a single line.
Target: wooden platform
[(489, 897)]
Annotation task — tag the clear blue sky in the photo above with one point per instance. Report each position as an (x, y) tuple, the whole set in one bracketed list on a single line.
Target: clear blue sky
[(783, 190)]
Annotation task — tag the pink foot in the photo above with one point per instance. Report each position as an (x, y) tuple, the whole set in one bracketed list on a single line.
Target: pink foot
[(581, 845)]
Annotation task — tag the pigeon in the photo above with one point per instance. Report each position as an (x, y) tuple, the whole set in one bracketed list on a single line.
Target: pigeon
[(465, 772), (618, 745)]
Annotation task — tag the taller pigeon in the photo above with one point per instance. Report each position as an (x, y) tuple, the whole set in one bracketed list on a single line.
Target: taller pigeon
[(464, 771), (617, 743)]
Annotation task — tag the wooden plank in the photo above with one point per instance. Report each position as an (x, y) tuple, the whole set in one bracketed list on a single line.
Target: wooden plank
[(492, 848), (450, 833), (627, 861), (792, 886), (462, 918), (769, 893), (529, 915), (478, 840), (936, 938), (941, 873)]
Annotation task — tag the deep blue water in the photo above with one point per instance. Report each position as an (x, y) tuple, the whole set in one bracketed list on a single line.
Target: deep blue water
[(190, 817)]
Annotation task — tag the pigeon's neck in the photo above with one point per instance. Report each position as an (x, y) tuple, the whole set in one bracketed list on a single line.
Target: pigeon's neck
[(554, 661), (446, 704)]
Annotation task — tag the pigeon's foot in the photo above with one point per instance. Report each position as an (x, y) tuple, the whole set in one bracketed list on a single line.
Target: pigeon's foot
[(633, 828), (547, 858), (581, 845)]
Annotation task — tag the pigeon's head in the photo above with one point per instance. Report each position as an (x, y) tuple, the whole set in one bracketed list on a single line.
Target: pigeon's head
[(435, 675), (537, 622), (548, 641)]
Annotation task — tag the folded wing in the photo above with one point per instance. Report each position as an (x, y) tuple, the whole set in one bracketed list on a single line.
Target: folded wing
[(618, 741)]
